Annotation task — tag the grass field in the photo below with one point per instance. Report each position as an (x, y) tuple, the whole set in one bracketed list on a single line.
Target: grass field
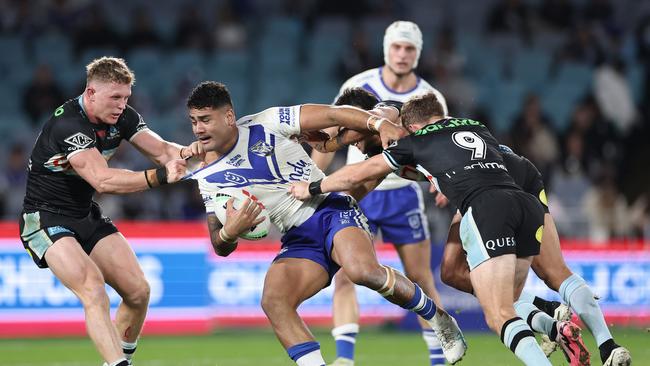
[(256, 347)]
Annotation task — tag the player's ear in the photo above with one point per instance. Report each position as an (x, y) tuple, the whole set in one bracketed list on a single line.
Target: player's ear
[(230, 117), (89, 92)]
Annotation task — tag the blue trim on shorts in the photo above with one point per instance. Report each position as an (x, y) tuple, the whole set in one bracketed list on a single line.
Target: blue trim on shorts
[(472, 241)]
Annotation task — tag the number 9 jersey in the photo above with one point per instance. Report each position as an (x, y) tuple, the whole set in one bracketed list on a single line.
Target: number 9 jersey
[(459, 156)]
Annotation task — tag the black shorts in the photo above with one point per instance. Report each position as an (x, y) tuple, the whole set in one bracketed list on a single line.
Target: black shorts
[(40, 229), (499, 222)]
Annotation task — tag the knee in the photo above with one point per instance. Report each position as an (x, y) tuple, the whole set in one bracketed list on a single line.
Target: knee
[(368, 275), (419, 275), (342, 282), (447, 277), (139, 295), (94, 295), (272, 303)]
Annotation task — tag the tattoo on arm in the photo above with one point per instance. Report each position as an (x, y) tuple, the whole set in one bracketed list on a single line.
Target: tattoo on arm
[(214, 226), (221, 248)]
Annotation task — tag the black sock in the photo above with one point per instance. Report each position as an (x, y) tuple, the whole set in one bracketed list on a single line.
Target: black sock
[(606, 349), (553, 334), (546, 306)]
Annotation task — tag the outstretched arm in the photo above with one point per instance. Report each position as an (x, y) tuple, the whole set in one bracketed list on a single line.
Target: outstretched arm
[(92, 167), (320, 116), (160, 151), (344, 179)]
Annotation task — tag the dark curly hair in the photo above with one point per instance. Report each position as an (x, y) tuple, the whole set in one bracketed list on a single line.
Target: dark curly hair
[(209, 94), (357, 97)]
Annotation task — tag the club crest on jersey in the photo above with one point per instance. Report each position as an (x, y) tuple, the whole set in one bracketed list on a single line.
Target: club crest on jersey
[(113, 132), (261, 148), (78, 141)]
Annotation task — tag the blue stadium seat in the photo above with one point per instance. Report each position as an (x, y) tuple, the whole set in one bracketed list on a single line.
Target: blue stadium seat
[(274, 90), (531, 67), (228, 67), (559, 100), (504, 104), (95, 53), (14, 46), (635, 76), (575, 73), (54, 50)]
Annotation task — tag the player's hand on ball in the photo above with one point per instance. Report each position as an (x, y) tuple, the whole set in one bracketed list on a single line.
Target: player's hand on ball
[(300, 190), (240, 221), (176, 169)]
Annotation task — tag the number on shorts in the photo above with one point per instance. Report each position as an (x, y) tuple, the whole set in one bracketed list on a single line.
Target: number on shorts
[(470, 141)]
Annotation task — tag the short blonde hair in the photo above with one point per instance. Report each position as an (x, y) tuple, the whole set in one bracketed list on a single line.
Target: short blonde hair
[(109, 69)]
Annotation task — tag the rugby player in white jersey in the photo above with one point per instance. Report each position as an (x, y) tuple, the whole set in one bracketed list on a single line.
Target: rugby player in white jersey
[(259, 153), (395, 206)]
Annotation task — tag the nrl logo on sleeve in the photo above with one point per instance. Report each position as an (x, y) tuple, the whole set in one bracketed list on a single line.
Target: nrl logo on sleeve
[(79, 140)]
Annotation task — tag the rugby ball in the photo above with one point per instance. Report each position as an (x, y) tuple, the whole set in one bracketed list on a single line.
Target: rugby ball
[(256, 232)]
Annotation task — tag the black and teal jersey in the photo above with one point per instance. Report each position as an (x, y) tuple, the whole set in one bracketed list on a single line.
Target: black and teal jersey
[(52, 184), (459, 156)]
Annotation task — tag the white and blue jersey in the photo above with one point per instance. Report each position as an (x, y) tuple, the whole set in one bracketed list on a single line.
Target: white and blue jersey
[(266, 159), (396, 205)]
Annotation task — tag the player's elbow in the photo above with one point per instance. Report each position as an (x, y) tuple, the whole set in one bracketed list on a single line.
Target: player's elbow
[(223, 249), (101, 186)]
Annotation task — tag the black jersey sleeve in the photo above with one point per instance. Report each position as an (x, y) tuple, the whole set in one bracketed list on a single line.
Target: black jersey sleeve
[(534, 184), (400, 153), (132, 123), (70, 135)]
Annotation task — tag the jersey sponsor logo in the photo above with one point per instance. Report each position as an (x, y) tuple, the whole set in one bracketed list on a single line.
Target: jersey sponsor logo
[(301, 170), (450, 123), (234, 178), (493, 244), (491, 165), (57, 230), (78, 141), (236, 160), (261, 148), (285, 115)]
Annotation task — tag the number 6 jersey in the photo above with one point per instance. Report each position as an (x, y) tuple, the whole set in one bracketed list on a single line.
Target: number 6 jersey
[(459, 156)]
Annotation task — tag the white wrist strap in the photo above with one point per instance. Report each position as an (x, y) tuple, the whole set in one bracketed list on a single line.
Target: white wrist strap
[(225, 238)]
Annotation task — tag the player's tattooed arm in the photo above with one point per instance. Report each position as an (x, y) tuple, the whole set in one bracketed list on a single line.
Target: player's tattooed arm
[(221, 247)]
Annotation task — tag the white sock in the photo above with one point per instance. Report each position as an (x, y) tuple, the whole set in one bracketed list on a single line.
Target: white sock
[(313, 358), (578, 295), (538, 320), (129, 349)]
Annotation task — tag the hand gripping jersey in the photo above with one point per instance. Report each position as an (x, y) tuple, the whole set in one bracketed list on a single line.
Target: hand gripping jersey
[(52, 184), (265, 159), (372, 81), (459, 156)]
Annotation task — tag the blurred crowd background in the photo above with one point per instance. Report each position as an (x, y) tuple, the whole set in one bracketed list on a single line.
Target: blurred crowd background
[(564, 82)]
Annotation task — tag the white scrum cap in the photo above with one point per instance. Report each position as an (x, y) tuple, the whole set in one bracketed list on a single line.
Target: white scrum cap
[(403, 31)]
